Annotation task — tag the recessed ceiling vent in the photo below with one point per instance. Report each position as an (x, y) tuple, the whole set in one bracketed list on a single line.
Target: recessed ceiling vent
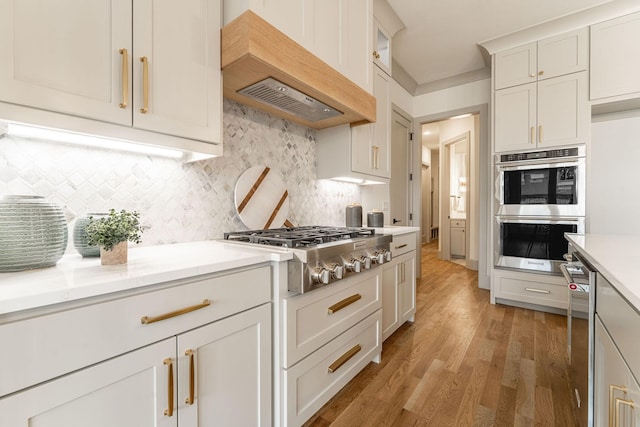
[(285, 98)]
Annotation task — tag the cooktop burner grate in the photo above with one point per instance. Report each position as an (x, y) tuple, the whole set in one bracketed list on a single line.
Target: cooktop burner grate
[(299, 237)]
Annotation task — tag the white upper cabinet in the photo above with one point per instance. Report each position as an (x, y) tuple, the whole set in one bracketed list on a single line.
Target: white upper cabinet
[(147, 65), (551, 57), (336, 31), (615, 57), (381, 47), (178, 91), (65, 56), (549, 113)]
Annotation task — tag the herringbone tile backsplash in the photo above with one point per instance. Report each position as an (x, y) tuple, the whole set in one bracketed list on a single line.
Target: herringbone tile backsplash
[(179, 202)]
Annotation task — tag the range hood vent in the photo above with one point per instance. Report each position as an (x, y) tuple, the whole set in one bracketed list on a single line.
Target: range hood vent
[(279, 95), (259, 61)]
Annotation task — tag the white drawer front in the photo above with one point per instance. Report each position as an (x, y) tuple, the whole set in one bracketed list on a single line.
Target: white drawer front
[(403, 243), (533, 292), (622, 322), (47, 346), (309, 322), (309, 384)]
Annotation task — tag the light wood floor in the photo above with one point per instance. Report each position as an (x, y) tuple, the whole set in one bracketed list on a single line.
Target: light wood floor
[(464, 362)]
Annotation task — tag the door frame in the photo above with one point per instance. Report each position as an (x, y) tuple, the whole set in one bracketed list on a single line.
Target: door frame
[(445, 194)]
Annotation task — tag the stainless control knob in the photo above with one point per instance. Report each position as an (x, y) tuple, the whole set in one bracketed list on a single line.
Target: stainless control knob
[(377, 258), (366, 262), (387, 255), (337, 271), (321, 275), (353, 265)]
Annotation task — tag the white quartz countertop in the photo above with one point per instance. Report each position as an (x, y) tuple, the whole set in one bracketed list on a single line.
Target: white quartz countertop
[(397, 230), (615, 257), (74, 277)]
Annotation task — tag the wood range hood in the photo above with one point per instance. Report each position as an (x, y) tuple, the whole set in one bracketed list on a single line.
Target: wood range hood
[(253, 50)]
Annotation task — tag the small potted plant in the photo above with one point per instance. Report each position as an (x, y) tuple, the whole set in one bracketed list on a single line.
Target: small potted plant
[(112, 232)]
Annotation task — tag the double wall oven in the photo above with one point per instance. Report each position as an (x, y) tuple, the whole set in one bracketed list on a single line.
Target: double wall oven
[(540, 195)]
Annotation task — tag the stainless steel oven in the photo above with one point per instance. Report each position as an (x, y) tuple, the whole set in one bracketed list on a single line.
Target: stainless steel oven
[(548, 183), (533, 243), (580, 277)]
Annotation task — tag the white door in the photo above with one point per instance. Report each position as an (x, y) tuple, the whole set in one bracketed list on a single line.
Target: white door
[(390, 315), (65, 56), (407, 288), (131, 390), (181, 78), (399, 183), (231, 361)]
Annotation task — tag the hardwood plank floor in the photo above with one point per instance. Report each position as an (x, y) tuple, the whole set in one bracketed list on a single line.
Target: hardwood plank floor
[(463, 362)]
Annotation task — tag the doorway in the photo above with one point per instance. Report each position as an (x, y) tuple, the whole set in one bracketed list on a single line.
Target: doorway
[(449, 151)]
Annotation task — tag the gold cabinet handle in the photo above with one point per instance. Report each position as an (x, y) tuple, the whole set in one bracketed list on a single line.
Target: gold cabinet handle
[(540, 73), (376, 54), (401, 246), (344, 358), (532, 136), (619, 402), (540, 133), (169, 411), (145, 85), (344, 303), (192, 376), (612, 390), (145, 320), (125, 78)]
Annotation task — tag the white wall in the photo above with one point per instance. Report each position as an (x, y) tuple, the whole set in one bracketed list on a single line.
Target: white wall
[(613, 176), (458, 97)]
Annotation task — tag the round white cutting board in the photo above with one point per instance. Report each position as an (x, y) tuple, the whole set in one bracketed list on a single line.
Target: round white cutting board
[(261, 198)]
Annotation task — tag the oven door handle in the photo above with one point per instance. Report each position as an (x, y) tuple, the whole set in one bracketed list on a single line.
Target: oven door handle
[(565, 273), (537, 164)]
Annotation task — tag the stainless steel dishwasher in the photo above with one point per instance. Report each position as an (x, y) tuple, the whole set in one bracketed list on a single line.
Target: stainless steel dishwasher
[(581, 278)]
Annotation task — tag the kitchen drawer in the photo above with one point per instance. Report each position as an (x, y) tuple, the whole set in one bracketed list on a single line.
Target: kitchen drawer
[(44, 347), (549, 291), (403, 243), (309, 384), (310, 323), (621, 320), (458, 223)]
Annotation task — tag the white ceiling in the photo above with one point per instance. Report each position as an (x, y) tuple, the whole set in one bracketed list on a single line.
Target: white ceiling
[(439, 41)]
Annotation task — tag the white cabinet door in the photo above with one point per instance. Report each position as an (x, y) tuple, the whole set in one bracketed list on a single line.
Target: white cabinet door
[(612, 380), (231, 362), (371, 147), (181, 77), (564, 54), (458, 242), (407, 288), (356, 34), (131, 390), (563, 113), (615, 57), (515, 118), (516, 66), (65, 56), (390, 314)]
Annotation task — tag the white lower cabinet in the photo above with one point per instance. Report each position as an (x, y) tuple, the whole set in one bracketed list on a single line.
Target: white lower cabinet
[(399, 285), (530, 288), (181, 364), (458, 238), (615, 388)]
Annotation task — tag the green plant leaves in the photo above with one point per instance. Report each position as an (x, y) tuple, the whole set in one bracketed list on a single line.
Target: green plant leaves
[(115, 228)]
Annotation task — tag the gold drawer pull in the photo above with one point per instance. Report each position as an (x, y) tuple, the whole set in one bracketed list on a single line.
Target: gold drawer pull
[(540, 133), (344, 358), (612, 390), (192, 374), (532, 137), (145, 85), (344, 303), (145, 320), (401, 246), (539, 291), (619, 402), (125, 78), (169, 411)]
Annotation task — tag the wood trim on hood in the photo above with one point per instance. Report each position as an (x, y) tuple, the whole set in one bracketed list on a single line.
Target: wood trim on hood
[(252, 50)]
